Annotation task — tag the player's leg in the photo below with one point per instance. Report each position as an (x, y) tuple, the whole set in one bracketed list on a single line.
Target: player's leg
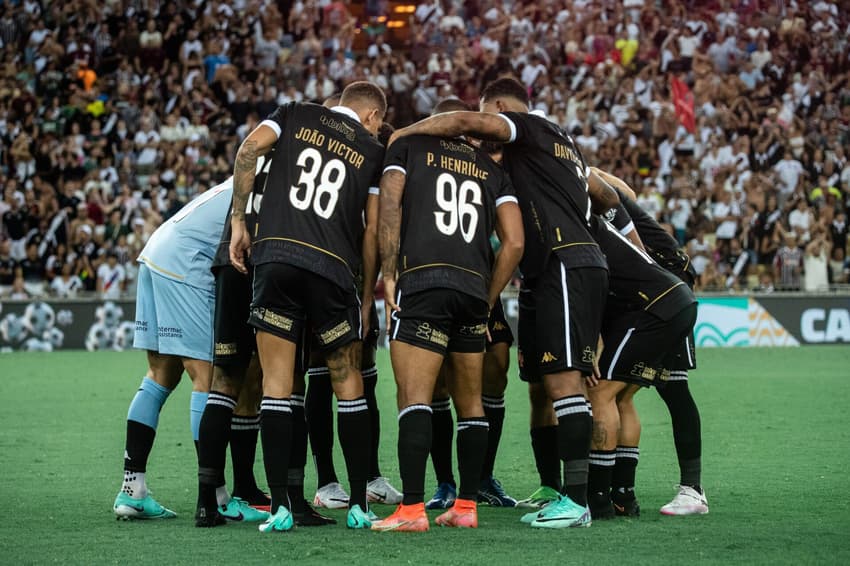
[(335, 315), (569, 312), (464, 384), (544, 445), (442, 447), (603, 448), (277, 312), (379, 489), (244, 433), (687, 436), (163, 375), (318, 406), (302, 512), (415, 371), (628, 454), (496, 362), (133, 500)]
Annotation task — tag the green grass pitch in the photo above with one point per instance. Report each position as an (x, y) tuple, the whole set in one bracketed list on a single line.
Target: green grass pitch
[(776, 462)]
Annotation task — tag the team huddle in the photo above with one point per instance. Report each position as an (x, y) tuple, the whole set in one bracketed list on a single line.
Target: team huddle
[(262, 290)]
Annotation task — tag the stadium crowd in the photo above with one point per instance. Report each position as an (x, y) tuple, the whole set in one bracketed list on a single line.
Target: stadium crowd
[(114, 114)]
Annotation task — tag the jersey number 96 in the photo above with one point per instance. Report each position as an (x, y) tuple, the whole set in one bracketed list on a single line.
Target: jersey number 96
[(457, 204)]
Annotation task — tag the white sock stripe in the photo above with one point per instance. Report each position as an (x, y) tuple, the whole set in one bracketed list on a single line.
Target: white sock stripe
[(369, 372), (627, 456), (245, 420), (567, 401), (222, 397), (244, 427), (572, 410), (411, 408), (353, 409), (441, 405), (468, 424), (297, 402), (493, 402), (277, 408), (275, 403), (493, 405), (223, 401), (603, 463), (318, 371), (351, 402), (603, 455), (628, 450)]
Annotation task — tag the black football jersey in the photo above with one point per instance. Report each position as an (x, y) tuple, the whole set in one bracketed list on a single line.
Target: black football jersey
[(311, 217), (448, 213), (222, 254), (635, 280), (550, 177), (660, 245)]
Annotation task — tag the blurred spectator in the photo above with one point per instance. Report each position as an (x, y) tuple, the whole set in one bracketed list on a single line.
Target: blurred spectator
[(110, 277), (788, 264), (815, 265)]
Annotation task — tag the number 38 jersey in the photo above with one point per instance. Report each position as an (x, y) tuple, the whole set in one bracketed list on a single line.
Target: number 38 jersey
[(448, 213), (325, 165)]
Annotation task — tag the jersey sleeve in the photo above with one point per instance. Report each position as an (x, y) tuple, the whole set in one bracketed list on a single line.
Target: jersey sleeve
[(619, 216), (521, 125), (277, 119), (506, 191), (395, 159)]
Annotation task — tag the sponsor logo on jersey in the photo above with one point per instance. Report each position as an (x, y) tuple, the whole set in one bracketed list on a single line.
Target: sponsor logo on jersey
[(425, 332), (477, 330), (225, 349), (588, 356), (642, 371)]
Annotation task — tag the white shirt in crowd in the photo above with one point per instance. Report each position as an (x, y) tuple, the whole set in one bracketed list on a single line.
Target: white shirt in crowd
[(111, 279), (66, 288)]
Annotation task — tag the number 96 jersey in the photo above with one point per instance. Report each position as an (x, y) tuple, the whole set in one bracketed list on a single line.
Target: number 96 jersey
[(448, 213), (326, 164)]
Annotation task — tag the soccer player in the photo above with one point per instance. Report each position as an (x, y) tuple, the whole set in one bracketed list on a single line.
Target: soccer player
[(665, 250), (174, 321), (231, 414), (440, 201), (318, 405), (308, 244), (564, 271), (649, 313)]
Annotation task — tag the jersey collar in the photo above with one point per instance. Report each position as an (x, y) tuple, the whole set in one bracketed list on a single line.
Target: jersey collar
[(347, 111)]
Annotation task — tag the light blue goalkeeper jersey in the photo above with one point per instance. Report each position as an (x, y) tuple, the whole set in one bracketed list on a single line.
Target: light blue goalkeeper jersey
[(184, 246)]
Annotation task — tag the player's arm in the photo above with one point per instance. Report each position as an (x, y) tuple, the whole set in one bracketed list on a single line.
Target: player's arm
[(370, 257), (389, 231), (621, 220), (603, 197), (512, 238), (481, 125), (616, 182), (258, 143)]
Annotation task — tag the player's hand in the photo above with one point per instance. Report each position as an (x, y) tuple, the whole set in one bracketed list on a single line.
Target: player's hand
[(240, 245), (389, 300)]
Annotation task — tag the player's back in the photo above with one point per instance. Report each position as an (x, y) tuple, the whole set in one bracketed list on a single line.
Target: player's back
[(660, 245), (312, 213), (184, 246), (448, 213), (635, 280), (549, 174)]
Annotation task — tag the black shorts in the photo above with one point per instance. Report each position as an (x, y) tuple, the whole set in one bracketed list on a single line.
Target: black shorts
[(288, 299), (497, 324), (441, 320), (640, 347), (235, 341), (560, 316)]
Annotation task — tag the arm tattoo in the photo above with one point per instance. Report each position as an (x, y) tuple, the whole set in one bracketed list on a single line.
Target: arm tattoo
[(243, 176), (389, 225)]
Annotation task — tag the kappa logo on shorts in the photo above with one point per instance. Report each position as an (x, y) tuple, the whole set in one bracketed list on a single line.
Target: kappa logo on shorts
[(225, 349), (498, 326), (588, 356), (341, 329), (640, 370), (548, 357)]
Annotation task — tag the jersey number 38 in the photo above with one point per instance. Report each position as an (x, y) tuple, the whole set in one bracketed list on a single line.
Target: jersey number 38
[(322, 196)]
